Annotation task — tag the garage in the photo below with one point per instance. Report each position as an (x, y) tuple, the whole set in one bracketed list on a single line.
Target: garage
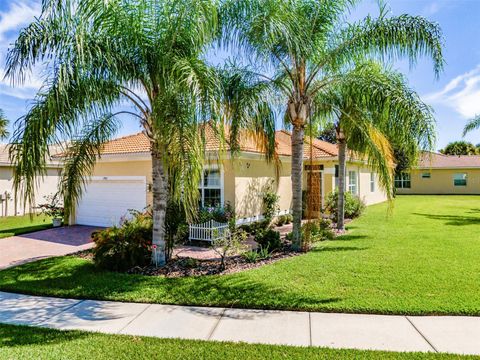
[(107, 199)]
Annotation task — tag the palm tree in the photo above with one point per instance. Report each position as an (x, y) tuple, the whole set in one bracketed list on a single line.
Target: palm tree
[(374, 112), (3, 125), (306, 47), (102, 54)]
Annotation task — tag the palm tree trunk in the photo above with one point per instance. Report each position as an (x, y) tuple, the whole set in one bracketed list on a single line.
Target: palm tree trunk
[(342, 161), (297, 176), (160, 198)]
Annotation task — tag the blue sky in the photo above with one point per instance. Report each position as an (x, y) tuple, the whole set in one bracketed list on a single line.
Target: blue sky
[(455, 96)]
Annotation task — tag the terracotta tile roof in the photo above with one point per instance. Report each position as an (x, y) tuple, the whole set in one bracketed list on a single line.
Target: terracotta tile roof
[(320, 149), (249, 142), (136, 143), (439, 161), (139, 143)]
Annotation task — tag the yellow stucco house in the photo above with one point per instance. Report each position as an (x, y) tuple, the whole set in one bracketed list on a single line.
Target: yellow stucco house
[(441, 174), (122, 179)]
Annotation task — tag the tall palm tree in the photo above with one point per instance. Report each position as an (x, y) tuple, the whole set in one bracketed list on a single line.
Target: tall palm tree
[(306, 47), (102, 54), (3, 125)]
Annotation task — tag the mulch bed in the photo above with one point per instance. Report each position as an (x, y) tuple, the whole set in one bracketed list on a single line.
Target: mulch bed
[(183, 267), (187, 266)]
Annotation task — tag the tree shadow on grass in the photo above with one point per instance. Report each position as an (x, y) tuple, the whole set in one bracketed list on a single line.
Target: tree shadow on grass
[(348, 237), (13, 336), (58, 277), (455, 220), (338, 248)]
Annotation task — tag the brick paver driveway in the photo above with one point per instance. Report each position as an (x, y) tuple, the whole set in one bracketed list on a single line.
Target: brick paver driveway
[(16, 250)]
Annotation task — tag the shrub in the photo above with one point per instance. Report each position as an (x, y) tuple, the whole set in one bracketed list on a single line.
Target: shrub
[(251, 256), (221, 214), (264, 253), (269, 239), (289, 218), (281, 220), (53, 207), (354, 206), (124, 247), (270, 205), (255, 227), (319, 230)]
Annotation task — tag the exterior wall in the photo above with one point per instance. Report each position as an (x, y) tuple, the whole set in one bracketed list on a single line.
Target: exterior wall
[(365, 193), (363, 181), (441, 182), (244, 181), (252, 178), (46, 186)]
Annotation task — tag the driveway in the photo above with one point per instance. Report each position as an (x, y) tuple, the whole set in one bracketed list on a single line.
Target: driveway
[(16, 250)]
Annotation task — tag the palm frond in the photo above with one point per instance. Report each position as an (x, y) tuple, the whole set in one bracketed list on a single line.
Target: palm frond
[(472, 124), (81, 156)]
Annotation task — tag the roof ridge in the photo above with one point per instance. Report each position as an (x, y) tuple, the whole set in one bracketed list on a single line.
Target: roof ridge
[(128, 136)]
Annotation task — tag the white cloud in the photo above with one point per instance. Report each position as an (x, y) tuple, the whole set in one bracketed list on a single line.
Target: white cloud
[(461, 94), (19, 14)]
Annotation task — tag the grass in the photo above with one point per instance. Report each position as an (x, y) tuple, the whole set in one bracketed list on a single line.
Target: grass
[(20, 342), (17, 225), (422, 259)]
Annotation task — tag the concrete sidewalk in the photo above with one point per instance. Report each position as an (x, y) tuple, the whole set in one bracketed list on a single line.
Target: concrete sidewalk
[(452, 334)]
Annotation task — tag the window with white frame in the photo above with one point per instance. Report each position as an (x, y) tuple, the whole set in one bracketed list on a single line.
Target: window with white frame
[(460, 179), (211, 188), (402, 181), (372, 182), (352, 182), (426, 175)]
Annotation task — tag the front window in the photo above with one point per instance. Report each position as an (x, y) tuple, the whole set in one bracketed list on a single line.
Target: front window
[(372, 182), (211, 188), (352, 182), (426, 175), (402, 181), (460, 179)]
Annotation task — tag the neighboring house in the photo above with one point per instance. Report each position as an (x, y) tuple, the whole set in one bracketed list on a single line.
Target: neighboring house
[(47, 185), (441, 174), (122, 178)]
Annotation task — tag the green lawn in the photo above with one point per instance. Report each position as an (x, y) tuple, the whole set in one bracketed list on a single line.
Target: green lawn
[(16, 225), (422, 259), (36, 343)]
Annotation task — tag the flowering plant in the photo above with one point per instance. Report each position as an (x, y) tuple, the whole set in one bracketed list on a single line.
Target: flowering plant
[(53, 207), (221, 214)]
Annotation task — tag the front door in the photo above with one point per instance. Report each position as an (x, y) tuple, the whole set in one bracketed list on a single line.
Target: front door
[(314, 193)]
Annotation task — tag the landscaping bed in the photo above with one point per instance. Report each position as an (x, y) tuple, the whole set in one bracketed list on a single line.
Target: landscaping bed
[(182, 267)]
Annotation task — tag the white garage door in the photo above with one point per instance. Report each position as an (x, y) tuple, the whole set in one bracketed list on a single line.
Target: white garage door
[(107, 199)]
